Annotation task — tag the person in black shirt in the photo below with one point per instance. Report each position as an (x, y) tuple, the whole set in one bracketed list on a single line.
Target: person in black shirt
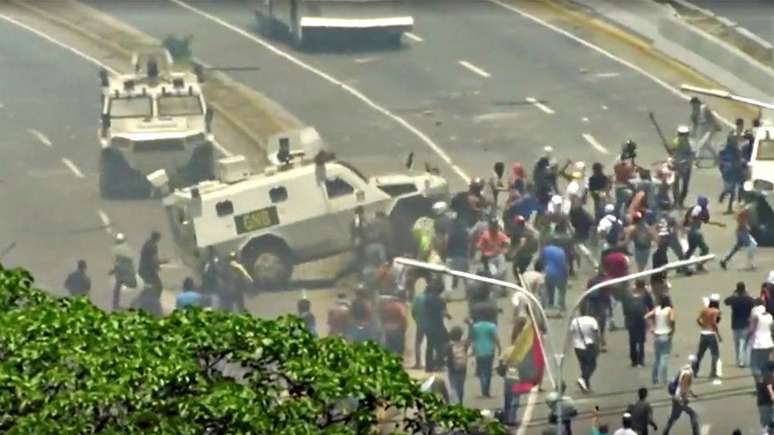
[(642, 413), (77, 282), (434, 326), (741, 304), (599, 185), (636, 304)]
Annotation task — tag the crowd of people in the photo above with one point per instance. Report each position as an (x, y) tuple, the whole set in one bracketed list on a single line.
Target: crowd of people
[(538, 229)]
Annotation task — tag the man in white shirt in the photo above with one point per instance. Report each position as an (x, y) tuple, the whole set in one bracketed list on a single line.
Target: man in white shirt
[(762, 343), (585, 340)]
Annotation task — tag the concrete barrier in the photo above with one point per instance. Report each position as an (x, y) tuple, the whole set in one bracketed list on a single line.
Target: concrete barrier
[(720, 53)]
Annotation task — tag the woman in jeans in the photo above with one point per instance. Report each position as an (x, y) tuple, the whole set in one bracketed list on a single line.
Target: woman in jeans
[(662, 321)]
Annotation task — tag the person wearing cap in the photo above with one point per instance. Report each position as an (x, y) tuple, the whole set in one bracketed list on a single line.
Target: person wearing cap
[(123, 268), (708, 320), (682, 154), (610, 228), (626, 425), (640, 414), (761, 322), (681, 391)]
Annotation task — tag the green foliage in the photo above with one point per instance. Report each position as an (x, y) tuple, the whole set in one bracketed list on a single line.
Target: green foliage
[(178, 46), (68, 367)]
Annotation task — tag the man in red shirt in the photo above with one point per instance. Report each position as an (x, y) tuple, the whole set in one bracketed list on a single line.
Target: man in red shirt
[(493, 244), (615, 265)]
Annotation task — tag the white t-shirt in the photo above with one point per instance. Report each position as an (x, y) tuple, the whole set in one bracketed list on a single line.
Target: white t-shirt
[(661, 321), (606, 224), (624, 431), (534, 281), (584, 329), (762, 334)]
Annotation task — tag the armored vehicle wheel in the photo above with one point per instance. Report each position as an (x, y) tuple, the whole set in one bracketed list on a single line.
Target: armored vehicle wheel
[(270, 266)]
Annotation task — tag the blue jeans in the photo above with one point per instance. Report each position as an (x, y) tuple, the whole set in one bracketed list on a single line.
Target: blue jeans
[(740, 347), (765, 414), (556, 289), (484, 372), (662, 345), (511, 405), (759, 358), (457, 382)]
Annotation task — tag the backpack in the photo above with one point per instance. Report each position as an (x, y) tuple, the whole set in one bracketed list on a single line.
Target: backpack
[(672, 386), (459, 356), (614, 233)]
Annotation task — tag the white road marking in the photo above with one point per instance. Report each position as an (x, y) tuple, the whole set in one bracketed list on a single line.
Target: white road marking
[(527, 415), (474, 68), (584, 119), (607, 75), (593, 142), (413, 37), (341, 85), (601, 51), (73, 168), (604, 107), (362, 60), (54, 41), (705, 429), (539, 105), (41, 137), (105, 221)]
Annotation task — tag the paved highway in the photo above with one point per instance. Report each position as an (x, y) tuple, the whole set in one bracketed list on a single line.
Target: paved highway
[(756, 15), (462, 81)]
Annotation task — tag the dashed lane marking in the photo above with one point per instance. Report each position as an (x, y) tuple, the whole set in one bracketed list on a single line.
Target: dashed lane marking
[(41, 137), (607, 75), (595, 144), (413, 37), (329, 78), (599, 50), (542, 106), (474, 68), (73, 167), (105, 219)]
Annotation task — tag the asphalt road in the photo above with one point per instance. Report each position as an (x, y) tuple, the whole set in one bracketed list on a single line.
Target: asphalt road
[(464, 85), (755, 15)]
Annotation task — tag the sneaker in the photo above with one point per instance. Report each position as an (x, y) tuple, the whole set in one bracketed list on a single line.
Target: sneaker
[(582, 385)]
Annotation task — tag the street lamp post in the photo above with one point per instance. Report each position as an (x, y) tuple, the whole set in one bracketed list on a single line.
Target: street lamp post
[(626, 278), (439, 268)]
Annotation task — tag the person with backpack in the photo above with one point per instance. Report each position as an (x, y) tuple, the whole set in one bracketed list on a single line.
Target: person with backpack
[(662, 321), (610, 228), (743, 239), (642, 236), (457, 362), (680, 389)]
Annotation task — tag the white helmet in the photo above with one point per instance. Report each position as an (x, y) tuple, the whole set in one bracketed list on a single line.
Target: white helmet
[(609, 209), (120, 238), (547, 151), (580, 166), (557, 200), (440, 207), (683, 129)]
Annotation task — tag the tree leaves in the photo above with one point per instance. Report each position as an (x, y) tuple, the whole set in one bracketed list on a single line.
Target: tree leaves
[(68, 367)]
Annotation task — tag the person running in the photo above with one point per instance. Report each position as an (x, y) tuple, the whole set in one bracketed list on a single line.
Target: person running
[(524, 244), (457, 362), (486, 346), (704, 126), (641, 414), (732, 171), (708, 320), (493, 244), (694, 218), (585, 338), (637, 304), (662, 326), (741, 304), (610, 229), (681, 391), (599, 187), (760, 335), (123, 270), (744, 239), (78, 282)]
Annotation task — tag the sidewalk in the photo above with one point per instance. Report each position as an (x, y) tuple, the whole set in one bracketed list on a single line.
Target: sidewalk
[(662, 27)]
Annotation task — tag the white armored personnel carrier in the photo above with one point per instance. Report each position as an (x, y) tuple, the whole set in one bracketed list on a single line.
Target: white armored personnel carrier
[(290, 214), (155, 118)]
